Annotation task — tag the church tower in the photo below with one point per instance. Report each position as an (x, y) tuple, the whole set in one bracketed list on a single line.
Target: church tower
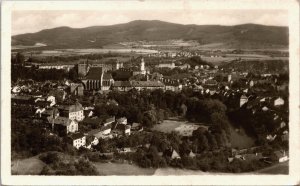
[(142, 69)]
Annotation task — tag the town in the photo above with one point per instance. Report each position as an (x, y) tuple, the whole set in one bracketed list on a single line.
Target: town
[(164, 109)]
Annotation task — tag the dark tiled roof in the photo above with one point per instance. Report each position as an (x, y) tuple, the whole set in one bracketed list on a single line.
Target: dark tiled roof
[(121, 75), (94, 73), (107, 76), (71, 108), (59, 120), (122, 84), (76, 136), (146, 84)]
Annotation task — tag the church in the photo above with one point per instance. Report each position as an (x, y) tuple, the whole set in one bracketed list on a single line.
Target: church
[(94, 78)]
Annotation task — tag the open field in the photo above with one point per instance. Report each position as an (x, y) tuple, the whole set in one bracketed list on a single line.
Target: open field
[(110, 169), (29, 166), (182, 127)]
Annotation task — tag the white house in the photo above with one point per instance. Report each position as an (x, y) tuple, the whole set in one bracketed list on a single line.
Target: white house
[(278, 102), (78, 140), (243, 100), (282, 156), (73, 112), (90, 141), (63, 123), (122, 120), (51, 99)]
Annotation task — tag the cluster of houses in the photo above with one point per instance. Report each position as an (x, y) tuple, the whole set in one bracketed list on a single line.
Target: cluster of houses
[(67, 119)]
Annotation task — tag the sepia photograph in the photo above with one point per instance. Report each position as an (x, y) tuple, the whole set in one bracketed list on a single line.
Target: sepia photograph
[(148, 89)]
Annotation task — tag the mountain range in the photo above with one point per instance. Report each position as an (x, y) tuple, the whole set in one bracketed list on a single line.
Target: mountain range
[(246, 36)]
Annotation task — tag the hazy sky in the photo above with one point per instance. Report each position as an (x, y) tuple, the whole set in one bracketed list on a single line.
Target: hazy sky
[(35, 20)]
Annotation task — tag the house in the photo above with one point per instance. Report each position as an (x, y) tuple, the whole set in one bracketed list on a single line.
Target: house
[(150, 85), (112, 102), (60, 95), (109, 121), (91, 141), (63, 125), (278, 102), (265, 108), (121, 129), (101, 132), (192, 155), (243, 100), (76, 89), (271, 138), (107, 81), (53, 112), (91, 122), (175, 155), (136, 127), (171, 153), (78, 140), (16, 89), (285, 137), (122, 120), (73, 112), (51, 99), (166, 65), (281, 156)]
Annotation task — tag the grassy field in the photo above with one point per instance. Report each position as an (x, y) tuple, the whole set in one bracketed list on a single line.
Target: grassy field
[(168, 126), (29, 166), (119, 169)]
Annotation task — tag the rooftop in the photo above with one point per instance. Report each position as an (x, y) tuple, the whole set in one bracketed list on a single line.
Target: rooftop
[(94, 73)]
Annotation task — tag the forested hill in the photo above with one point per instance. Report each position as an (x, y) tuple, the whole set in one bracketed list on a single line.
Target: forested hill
[(239, 36)]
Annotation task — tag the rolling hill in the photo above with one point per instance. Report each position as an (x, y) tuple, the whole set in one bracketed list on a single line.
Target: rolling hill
[(246, 36)]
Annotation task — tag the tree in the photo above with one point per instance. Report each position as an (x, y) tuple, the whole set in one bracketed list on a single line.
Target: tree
[(20, 59)]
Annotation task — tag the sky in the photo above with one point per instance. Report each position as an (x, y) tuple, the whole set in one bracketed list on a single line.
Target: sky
[(30, 21)]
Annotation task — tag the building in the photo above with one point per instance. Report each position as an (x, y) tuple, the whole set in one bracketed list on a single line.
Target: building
[(278, 102), (101, 132), (138, 85), (76, 89), (73, 112), (150, 85), (107, 81), (122, 121), (166, 65), (90, 141), (55, 66), (243, 100), (281, 156), (97, 79), (122, 129), (93, 79), (63, 125), (77, 140)]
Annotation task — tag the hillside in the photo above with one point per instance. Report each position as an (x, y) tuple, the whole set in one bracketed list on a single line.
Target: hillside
[(240, 36)]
